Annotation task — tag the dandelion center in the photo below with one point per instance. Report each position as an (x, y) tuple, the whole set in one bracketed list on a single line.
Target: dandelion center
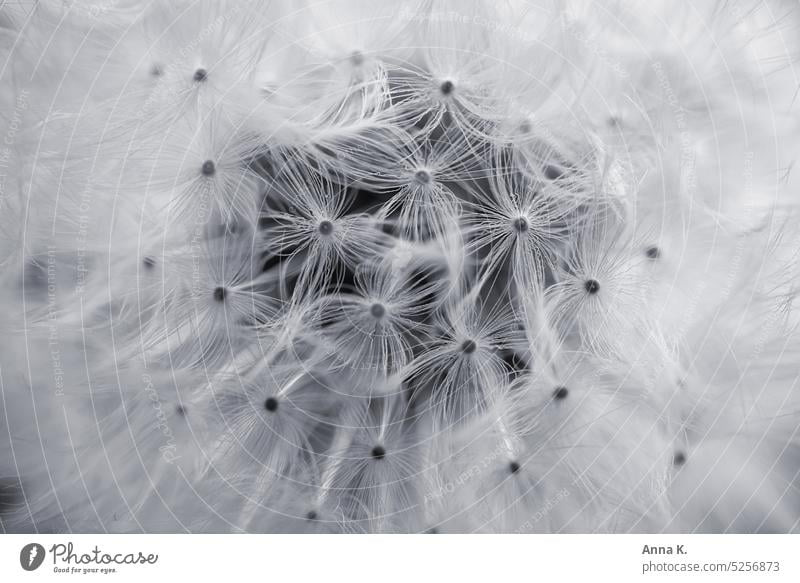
[(513, 467), (271, 404), (325, 227), (679, 458), (200, 75), (378, 452), (592, 286), (560, 393), (468, 346), (652, 252)]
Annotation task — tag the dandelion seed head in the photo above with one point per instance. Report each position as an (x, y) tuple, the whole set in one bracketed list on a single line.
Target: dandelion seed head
[(346, 275)]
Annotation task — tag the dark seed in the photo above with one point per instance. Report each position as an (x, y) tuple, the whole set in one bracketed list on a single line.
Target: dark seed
[(553, 172), (209, 168), (423, 176), (220, 293), (468, 347), (357, 58)]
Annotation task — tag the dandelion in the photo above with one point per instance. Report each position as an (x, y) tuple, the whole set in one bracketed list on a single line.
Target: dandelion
[(361, 267)]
